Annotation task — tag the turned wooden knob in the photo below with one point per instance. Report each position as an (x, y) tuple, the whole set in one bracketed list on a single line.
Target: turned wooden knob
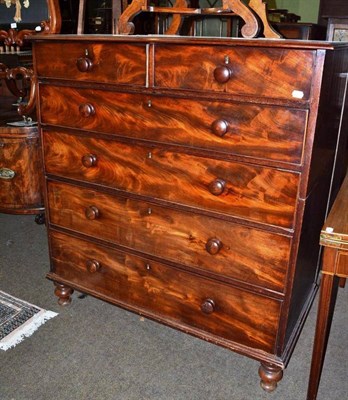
[(219, 127), (92, 266), (217, 187), (223, 73), (86, 110), (208, 306), (89, 160), (213, 246), (92, 212), (84, 64)]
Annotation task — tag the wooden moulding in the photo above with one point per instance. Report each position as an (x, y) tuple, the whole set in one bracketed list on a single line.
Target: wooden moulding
[(254, 16)]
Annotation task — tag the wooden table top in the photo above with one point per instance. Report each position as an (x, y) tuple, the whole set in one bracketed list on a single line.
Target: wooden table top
[(335, 230)]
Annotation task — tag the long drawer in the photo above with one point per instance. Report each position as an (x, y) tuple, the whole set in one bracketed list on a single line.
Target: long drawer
[(189, 239), (123, 64), (243, 190), (265, 72), (260, 131), (172, 295)]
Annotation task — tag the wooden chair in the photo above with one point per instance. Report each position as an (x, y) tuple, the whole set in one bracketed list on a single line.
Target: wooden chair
[(20, 79)]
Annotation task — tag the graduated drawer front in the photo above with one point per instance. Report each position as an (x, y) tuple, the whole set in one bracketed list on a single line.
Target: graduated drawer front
[(257, 193), (167, 294), (267, 132), (110, 63), (266, 72), (186, 238)]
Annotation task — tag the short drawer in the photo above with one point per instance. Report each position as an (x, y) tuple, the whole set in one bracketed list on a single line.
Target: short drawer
[(190, 239), (243, 190), (97, 62), (170, 295), (266, 132), (255, 71)]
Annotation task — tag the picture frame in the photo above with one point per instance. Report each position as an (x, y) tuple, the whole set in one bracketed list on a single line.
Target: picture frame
[(337, 29)]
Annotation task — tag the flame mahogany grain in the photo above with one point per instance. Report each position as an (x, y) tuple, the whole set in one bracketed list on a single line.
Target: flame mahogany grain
[(187, 179)]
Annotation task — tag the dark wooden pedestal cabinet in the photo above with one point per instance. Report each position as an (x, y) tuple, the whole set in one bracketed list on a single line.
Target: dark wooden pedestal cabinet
[(20, 171), (187, 179)]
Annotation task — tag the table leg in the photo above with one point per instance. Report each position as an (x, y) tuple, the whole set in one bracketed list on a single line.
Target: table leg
[(327, 301)]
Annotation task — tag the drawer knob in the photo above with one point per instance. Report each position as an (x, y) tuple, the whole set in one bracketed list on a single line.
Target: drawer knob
[(84, 64), (223, 73), (213, 246), (208, 306), (89, 160), (217, 187), (92, 266), (87, 110), (92, 212), (219, 127)]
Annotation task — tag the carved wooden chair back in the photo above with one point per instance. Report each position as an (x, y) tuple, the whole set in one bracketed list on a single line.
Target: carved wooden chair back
[(20, 79)]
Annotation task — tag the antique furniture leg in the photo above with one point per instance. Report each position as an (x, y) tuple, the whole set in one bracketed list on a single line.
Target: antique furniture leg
[(270, 375), (328, 295), (63, 293), (334, 238)]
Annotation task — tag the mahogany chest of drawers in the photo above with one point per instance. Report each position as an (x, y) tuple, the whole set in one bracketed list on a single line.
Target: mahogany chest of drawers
[(187, 179)]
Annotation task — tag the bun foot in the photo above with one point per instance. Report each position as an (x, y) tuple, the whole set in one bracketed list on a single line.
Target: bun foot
[(63, 293), (270, 375)]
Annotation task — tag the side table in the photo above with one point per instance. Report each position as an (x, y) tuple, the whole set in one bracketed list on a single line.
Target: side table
[(334, 238)]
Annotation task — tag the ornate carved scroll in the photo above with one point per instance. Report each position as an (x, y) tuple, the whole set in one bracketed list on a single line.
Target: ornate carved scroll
[(175, 26), (260, 8), (11, 75), (254, 16), (125, 26), (251, 28)]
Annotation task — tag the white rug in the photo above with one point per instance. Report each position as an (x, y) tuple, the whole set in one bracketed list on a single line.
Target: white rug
[(19, 319)]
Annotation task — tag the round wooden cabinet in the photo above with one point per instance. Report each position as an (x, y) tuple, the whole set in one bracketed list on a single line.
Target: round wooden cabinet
[(20, 171)]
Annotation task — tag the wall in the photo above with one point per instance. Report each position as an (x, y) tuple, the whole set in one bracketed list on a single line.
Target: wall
[(307, 9)]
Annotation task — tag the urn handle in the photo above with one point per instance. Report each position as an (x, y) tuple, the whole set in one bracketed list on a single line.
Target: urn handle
[(7, 173)]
